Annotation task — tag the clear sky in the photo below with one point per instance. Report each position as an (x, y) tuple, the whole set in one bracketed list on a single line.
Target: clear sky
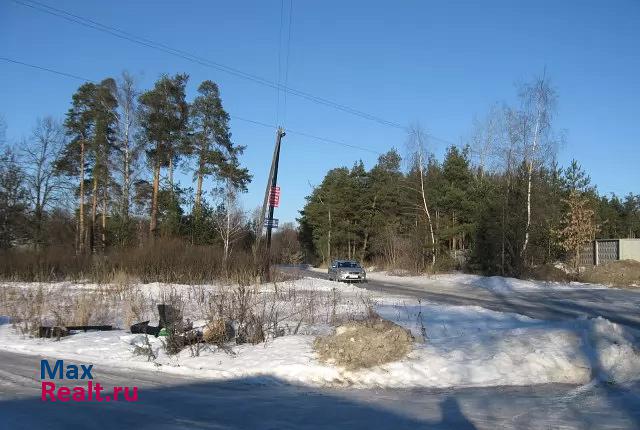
[(439, 63)]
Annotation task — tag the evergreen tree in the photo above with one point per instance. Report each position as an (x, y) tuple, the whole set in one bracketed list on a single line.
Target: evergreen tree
[(163, 119), (215, 153)]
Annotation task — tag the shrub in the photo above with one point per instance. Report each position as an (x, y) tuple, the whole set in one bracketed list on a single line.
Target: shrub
[(161, 260)]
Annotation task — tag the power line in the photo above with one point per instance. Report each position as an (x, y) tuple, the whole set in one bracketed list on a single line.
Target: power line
[(260, 123), (33, 66), (86, 22), (310, 136)]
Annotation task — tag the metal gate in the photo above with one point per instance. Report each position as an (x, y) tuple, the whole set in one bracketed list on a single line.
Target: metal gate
[(608, 250), (586, 255)]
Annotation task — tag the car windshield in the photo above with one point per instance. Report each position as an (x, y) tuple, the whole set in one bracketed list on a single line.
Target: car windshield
[(348, 264)]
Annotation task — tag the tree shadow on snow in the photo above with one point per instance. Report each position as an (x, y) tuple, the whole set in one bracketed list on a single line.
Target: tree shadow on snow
[(250, 403)]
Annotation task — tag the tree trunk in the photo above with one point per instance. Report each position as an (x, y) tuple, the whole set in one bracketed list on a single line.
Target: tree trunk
[(198, 202), (534, 146), (94, 206), (366, 233), (329, 240), (126, 177), (153, 223), (103, 237), (227, 236), (81, 242), (426, 209), (171, 174)]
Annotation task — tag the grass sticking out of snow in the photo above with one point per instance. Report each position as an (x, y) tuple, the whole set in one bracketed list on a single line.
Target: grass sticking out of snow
[(460, 345)]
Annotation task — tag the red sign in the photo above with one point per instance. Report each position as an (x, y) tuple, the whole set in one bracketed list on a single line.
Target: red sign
[(274, 196)]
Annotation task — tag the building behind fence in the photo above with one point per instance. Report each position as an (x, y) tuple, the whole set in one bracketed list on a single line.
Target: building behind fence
[(603, 251)]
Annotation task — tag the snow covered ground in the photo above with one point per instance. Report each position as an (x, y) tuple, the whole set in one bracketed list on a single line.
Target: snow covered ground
[(457, 346), (497, 284)]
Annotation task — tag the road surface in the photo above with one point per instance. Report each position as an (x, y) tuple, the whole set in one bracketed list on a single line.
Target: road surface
[(170, 402), (617, 305)]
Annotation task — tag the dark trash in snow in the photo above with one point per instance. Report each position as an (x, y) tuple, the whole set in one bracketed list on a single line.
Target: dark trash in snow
[(170, 318), (61, 331), (145, 328), (55, 331)]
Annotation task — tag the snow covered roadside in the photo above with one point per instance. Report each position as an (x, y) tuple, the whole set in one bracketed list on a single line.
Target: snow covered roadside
[(464, 346), (498, 284)]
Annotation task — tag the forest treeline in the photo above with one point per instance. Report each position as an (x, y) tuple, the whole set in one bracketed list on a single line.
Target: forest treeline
[(96, 192), (498, 204), (103, 179)]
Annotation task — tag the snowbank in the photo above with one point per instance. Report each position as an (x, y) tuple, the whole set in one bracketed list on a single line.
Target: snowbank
[(498, 284), (459, 346)]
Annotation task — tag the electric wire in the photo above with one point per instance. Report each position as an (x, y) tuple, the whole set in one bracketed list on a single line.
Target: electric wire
[(263, 124), (87, 22)]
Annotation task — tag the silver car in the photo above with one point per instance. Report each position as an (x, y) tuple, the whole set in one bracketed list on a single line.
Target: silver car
[(347, 271)]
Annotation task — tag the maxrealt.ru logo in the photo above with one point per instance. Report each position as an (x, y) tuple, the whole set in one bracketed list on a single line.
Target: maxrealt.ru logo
[(92, 392)]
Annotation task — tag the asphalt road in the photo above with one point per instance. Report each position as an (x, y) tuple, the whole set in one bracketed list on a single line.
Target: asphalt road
[(170, 402), (617, 305)]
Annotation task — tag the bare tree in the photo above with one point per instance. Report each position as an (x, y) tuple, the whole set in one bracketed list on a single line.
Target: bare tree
[(532, 127), (128, 149), (39, 155), (487, 138), (229, 220), (417, 147), (256, 230)]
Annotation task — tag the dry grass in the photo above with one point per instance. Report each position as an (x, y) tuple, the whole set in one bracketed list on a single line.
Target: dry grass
[(25, 308), (547, 272), (169, 261), (625, 273)]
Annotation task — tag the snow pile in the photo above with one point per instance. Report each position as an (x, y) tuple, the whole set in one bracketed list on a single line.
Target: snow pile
[(497, 284), (616, 355)]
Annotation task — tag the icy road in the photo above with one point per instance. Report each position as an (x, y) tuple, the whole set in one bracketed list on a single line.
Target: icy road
[(500, 294), (171, 402)]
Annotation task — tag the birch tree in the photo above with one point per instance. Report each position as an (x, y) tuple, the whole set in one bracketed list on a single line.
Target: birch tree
[(532, 125), (417, 147), (128, 148), (229, 220)]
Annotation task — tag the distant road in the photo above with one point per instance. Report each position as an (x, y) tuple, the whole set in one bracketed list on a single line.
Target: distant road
[(171, 402), (620, 306)]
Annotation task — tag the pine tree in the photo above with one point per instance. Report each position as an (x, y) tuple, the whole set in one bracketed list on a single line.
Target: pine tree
[(163, 118), (90, 124)]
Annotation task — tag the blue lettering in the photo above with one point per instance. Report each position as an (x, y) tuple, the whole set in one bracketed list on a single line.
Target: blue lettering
[(57, 369), (86, 371)]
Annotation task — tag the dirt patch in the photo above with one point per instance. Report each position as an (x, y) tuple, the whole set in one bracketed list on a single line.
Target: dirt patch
[(547, 272), (363, 344), (624, 273)]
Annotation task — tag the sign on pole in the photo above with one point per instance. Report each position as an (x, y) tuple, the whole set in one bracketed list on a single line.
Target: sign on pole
[(274, 196), (271, 222)]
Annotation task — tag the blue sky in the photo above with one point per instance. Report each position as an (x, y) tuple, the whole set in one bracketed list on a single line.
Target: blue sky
[(439, 63)]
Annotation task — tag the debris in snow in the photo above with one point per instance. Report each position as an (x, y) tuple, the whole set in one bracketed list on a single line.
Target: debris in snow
[(49, 332), (364, 344), (144, 327), (218, 332)]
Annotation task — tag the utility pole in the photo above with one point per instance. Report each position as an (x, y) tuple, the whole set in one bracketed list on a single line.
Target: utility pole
[(270, 200)]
